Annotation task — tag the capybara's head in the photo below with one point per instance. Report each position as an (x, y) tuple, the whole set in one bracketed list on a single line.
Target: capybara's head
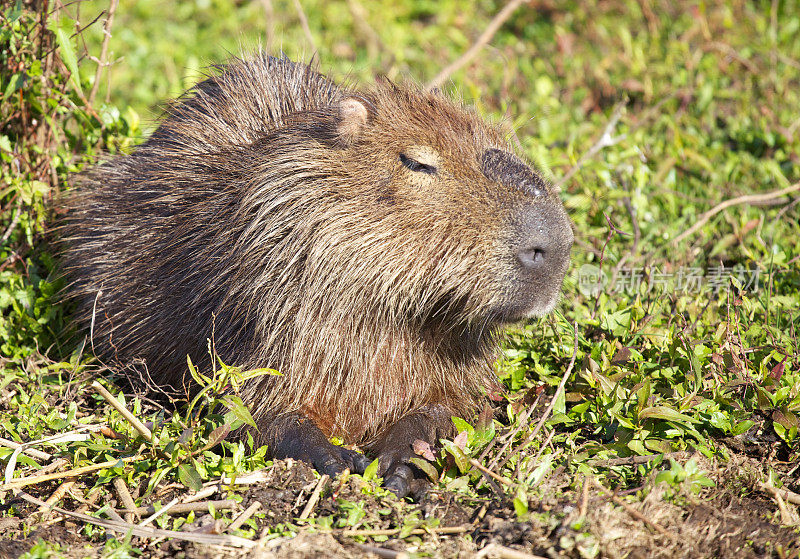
[(437, 218)]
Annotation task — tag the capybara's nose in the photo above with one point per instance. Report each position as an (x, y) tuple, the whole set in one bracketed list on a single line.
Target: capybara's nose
[(543, 237), (532, 256)]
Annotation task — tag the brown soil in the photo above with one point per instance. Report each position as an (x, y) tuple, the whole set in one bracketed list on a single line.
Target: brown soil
[(731, 521)]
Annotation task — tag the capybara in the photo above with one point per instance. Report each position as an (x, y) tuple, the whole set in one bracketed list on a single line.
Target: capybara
[(367, 243)]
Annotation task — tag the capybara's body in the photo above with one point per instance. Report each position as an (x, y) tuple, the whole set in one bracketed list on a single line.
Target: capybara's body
[(366, 244)]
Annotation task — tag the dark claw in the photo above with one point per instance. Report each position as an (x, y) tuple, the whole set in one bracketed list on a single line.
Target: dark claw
[(391, 460), (356, 462), (396, 448), (332, 466), (295, 436), (399, 481), (360, 462)]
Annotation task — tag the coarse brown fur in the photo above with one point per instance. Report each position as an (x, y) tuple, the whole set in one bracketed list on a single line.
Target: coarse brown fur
[(270, 207)]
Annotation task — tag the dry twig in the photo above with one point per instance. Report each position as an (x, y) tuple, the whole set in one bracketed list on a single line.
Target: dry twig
[(114, 515), (242, 518), (584, 506), (117, 405), (447, 530), (491, 474), (202, 494), (382, 552), (124, 496), (781, 496), (312, 501), (249, 479), (160, 512), (746, 199), (32, 452), (482, 41), (269, 27), (183, 508), (58, 494), (304, 24), (633, 460), (147, 532), (103, 49), (90, 501), (32, 480), (503, 552)]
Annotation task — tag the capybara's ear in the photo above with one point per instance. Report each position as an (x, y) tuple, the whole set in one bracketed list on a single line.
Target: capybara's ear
[(353, 117)]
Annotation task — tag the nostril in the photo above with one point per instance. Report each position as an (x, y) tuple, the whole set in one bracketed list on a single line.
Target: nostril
[(531, 257)]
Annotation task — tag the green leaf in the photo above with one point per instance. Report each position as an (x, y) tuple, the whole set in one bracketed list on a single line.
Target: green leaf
[(372, 470), (642, 397), (666, 413), (482, 437), (742, 427), (658, 445), (426, 467), (521, 508), (14, 85), (239, 410), (187, 474), (544, 467), (69, 58), (637, 446), (217, 435), (462, 425), (461, 459), (198, 377)]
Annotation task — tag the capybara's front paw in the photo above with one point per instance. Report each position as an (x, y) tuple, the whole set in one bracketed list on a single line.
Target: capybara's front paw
[(396, 469), (396, 448), (296, 436), (333, 460)]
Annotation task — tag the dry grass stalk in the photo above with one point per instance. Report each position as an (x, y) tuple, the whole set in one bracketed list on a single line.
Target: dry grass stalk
[(304, 24), (183, 508), (57, 495), (125, 496), (746, 199), (117, 405), (491, 474), (160, 512), (32, 480), (312, 501), (502, 552), (383, 552), (242, 518), (32, 452), (482, 41), (447, 530), (147, 532), (101, 63)]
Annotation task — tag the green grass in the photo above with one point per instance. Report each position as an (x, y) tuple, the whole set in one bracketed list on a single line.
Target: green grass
[(674, 353)]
